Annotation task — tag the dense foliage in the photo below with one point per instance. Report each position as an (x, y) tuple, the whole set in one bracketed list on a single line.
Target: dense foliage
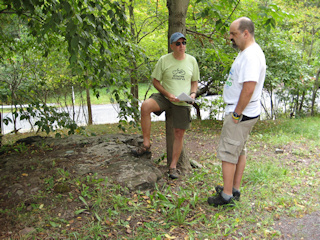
[(50, 47)]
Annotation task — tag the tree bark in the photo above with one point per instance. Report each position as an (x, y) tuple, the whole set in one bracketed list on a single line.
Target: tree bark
[(177, 23), (177, 17), (133, 70), (0, 129), (89, 106), (197, 107), (184, 162), (314, 93)]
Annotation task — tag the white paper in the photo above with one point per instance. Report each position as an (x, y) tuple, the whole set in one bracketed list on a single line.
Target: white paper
[(184, 97)]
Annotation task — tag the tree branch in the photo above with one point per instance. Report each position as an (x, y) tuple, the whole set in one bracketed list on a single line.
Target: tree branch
[(143, 23), (199, 34), (151, 31), (234, 10), (1, 11)]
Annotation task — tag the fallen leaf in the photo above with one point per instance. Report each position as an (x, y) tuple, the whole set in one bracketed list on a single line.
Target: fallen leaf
[(169, 237), (297, 204), (108, 223)]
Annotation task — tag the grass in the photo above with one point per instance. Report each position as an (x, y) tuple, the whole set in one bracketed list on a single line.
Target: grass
[(274, 186), (300, 129)]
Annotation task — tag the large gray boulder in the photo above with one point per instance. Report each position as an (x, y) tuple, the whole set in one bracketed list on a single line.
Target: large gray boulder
[(106, 156)]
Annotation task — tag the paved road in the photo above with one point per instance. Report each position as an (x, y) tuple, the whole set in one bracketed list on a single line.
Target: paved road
[(108, 113), (101, 114)]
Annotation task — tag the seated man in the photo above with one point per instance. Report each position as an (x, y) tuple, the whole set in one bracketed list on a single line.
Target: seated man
[(174, 73)]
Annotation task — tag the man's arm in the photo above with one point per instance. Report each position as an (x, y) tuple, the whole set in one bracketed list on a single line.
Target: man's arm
[(194, 88), (161, 89), (245, 96)]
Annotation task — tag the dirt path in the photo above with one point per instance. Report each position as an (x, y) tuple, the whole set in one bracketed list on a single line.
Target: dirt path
[(307, 227)]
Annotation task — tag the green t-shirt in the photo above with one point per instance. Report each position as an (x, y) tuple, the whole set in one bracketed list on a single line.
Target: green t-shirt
[(176, 75)]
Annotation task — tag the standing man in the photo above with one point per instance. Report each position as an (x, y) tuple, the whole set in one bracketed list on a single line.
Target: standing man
[(242, 93), (174, 73)]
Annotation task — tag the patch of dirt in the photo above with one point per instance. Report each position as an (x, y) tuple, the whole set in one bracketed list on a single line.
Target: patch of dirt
[(306, 227), (33, 171)]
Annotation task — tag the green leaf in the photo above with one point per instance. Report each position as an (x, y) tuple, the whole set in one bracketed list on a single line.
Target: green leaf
[(79, 18), (67, 7), (79, 211), (97, 216), (73, 59), (53, 224), (82, 41), (83, 200), (74, 43)]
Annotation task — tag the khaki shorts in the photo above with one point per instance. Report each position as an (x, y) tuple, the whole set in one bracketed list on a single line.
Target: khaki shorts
[(181, 114), (233, 139)]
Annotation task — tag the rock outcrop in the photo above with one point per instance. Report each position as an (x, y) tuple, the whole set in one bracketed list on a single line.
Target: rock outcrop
[(107, 156)]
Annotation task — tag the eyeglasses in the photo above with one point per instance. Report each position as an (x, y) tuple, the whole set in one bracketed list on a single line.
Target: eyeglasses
[(179, 43)]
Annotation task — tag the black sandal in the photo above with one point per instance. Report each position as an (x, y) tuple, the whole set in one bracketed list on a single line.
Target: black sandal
[(141, 150), (174, 173)]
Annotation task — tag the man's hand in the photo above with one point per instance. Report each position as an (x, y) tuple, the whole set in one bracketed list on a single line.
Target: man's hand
[(172, 98), (235, 121)]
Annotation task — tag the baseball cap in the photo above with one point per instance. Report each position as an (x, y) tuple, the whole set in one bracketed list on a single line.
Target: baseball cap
[(176, 36)]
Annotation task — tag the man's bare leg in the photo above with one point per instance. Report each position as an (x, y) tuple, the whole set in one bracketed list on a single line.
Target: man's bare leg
[(239, 171), (228, 171), (177, 146), (225, 197), (147, 108)]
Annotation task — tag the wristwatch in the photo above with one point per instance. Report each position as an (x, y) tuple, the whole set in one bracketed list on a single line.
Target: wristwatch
[(235, 116)]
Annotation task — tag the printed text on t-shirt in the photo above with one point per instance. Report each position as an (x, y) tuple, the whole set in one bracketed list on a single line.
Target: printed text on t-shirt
[(178, 74)]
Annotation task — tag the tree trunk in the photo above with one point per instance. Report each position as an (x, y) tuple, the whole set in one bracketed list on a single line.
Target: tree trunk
[(177, 23), (89, 106), (184, 162), (133, 72), (177, 17), (302, 101), (0, 129), (197, 107), (314, 93)]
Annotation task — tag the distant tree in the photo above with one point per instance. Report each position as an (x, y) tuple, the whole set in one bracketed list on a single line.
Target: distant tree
[(304, 32), (91, 29), (315, 90)]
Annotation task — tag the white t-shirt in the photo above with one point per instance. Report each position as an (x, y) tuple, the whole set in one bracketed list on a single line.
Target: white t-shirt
[(250, 65)]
